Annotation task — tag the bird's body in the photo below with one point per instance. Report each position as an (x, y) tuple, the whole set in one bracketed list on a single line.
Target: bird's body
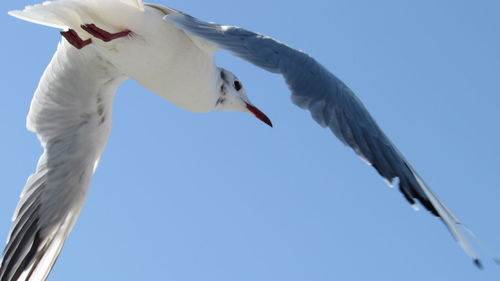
[(171, 54), (148, 58), (160, 66)]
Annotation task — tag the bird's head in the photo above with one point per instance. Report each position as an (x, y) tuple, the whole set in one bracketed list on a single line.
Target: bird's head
[(233, 97)]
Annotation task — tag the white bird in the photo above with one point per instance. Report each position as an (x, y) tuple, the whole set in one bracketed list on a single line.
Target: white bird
[(108, 41)]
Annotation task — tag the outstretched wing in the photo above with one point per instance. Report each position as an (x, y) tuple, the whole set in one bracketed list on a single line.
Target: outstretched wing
[(331, 103), (70, 114)]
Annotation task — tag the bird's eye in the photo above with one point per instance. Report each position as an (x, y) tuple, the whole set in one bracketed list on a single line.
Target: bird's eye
[(237, 85)]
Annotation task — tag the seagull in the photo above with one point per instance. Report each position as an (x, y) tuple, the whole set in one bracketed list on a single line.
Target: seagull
[(106, 42)]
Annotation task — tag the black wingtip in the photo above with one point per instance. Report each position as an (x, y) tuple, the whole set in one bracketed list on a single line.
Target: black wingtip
[(478, 263)]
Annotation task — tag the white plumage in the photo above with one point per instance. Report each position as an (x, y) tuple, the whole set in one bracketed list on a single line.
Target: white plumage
[(71, 109)]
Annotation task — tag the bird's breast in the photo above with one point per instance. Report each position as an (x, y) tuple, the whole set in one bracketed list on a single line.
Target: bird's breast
[(164, 60)]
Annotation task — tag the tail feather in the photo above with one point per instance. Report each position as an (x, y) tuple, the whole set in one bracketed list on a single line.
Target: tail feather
[(67, 14), (135, 3), (54, 14)]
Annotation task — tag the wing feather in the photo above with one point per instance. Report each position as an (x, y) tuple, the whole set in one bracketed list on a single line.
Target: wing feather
[(331, 103), (66, 113)]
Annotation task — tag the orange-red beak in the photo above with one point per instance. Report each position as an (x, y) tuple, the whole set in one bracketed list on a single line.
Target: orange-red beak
[(259, 114)]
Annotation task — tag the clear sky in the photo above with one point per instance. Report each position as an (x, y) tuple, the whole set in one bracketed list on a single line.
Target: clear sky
[(221, 197)]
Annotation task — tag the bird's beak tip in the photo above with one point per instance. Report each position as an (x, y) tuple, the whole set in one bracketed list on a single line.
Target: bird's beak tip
[(259, 114)]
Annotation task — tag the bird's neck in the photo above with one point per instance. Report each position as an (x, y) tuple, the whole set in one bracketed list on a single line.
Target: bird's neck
[(191, 88)]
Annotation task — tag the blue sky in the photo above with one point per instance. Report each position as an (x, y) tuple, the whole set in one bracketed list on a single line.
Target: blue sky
[(221, 197)]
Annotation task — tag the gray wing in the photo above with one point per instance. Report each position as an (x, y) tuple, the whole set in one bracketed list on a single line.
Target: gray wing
[(331, 103), (68, 113)]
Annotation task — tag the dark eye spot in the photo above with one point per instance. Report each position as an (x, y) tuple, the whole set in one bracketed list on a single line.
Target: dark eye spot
[(237, 85)]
